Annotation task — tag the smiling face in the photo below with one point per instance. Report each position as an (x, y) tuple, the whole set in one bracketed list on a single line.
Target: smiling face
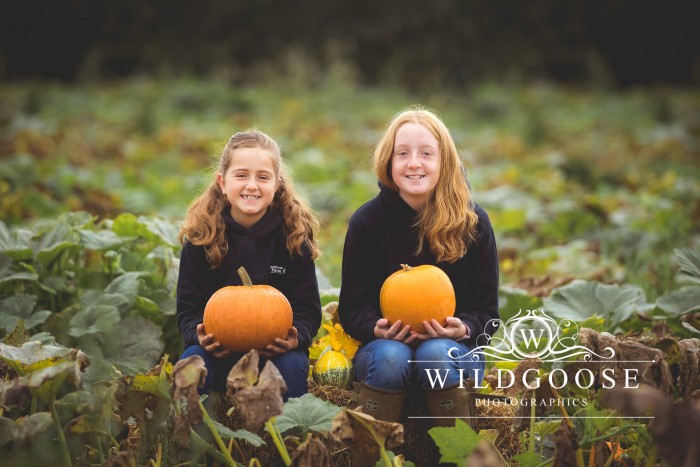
[(249, 184), (415, 163)]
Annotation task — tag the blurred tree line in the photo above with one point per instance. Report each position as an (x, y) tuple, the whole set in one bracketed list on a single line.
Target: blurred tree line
[(415, 43)]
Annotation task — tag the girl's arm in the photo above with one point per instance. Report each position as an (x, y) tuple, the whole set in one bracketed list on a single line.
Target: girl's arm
[(476, 288), (195, 284), (358, 306), (301, 289)]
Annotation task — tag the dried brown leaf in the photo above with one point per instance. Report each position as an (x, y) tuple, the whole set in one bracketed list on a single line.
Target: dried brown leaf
[(542, 286), (629, 354), (245, 372), (566, 445), (518, 387), (257, 403), (311, 453), (689, 375), (365, 432), (675, 428), (485, 455), (188, 375), (330, 312)]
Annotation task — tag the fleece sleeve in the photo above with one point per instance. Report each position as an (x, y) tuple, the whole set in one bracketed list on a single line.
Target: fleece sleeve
[(358, 306), (301, 289), (195, 285), (477, 283)]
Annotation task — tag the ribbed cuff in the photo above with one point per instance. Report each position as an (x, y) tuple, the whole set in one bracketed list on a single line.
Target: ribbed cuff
[(467, 335)]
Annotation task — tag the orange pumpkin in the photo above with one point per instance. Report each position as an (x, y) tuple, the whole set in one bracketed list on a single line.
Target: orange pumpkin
[(247, 316), (417, 294)]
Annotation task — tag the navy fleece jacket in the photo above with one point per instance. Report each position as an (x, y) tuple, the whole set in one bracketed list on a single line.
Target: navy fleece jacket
[(263, 252), (381, 237)]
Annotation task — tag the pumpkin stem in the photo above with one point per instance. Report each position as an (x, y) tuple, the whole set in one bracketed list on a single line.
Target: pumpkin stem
[(244, 276), (406, 267)]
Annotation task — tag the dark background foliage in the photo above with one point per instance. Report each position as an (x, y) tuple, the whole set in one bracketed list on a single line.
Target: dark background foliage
[(416, 43)]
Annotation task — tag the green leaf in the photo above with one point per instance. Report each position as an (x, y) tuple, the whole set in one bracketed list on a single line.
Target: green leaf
[(167, 232), (245, 435), (44, 383), (680, 302), (101, 240), (33, 355), (455, 443), (581, 299), (16, 244), (94, 319), (527, 459), (127, 285), (21, 306), (139, 345), (308, 413), (689, 261), (59, 238), (147, 306), (97, 297), (48, 255), (512, 299), (21, 431), (127, 225), (397, 461)]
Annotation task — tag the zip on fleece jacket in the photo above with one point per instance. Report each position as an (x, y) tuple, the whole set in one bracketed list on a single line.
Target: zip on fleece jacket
[(262, 251), (381, 237)]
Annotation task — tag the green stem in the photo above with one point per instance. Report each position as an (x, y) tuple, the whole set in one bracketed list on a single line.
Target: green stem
[(61, 437), (244, 276), (217, 437), (100, 451), (652, 456), (579, 452), (613, 450), (385, 456), (277, 439), (33, 408), (608, 435), (209, 450), (531, 446), (165, 448), (238, 448)]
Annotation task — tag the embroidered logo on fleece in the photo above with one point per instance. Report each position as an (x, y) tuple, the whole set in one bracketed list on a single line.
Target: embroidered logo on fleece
[(277, 270)]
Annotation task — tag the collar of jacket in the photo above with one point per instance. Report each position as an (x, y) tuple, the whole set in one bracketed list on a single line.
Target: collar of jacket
[(267, 224), (393, 200)]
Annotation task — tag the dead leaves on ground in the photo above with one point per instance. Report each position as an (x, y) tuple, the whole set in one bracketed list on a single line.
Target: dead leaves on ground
[(675, 427), (257, 395), (365, 433)]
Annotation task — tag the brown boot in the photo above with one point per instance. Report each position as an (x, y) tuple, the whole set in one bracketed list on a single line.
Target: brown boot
[(382, 404), (447, 404)]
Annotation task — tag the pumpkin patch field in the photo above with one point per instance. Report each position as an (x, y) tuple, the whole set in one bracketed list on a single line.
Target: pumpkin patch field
[(594, 197)]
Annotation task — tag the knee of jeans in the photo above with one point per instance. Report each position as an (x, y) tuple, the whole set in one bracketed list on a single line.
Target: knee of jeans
[(208, 359), (291, 361), (435, 350), (197, 350), (392, 353), (384, 364)]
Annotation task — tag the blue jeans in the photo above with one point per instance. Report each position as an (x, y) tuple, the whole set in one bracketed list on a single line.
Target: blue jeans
[(390, 364), (293, 366)]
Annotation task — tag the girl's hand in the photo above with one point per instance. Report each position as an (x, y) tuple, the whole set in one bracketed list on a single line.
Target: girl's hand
[(454, 328), (281, 346), (396, 331), (209, 344)]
